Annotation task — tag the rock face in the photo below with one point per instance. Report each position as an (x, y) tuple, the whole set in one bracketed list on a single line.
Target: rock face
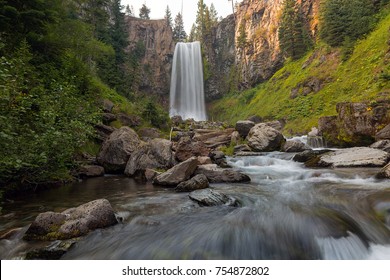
[(195, 183), (157, 153), (355, 157), (156, 39), (214, 138), (243, 127), (116, 150), (294, 147), (186, 148), (209, 197), (357, 124), (263, 138), (73, 222), (177, 174), (216, 174), (384, 173)]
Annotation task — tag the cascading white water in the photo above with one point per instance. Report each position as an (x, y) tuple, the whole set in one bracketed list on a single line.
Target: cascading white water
[(187, 93)]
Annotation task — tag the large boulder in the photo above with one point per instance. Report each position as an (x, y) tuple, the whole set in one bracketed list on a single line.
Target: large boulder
[(156, 154), (209, 197), (309, 155), (293, 146), (357, 124), (195, 183), (216, 174), (243, 127), (72, 222), (116, 150), (263, 138), (103, 132), (384, 173), (187, 148), (383, 145), (354, 157), (177, 174)]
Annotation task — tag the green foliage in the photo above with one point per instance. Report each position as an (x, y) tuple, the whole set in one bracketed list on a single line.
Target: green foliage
[(342, 19), (41, 127), (242, 38), (293, 31), (156, 116)]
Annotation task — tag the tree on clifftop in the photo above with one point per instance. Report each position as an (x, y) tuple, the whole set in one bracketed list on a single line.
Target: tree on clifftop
[(168, 16), (144, 12), (179, 34)]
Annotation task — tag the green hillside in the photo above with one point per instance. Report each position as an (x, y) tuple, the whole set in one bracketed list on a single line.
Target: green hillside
[(365, 76)]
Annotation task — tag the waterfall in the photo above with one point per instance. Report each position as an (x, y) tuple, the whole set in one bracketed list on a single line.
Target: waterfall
[(187, 94)]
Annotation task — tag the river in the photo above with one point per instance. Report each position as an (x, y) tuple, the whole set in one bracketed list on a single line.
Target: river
[(287, 212)]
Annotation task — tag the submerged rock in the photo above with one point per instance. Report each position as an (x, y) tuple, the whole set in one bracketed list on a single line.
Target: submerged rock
[(52, 252), (195, 183), (72, 222), (116, 150), (216, 174), (310, 157), (263, 138), (355, 157), (90, 171), (209, 197), (177, 174)]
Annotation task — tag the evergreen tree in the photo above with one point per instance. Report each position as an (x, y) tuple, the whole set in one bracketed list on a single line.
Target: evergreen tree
[(129, 10), (144, 12), (213, 14), (342, 19), (179, 34), (199, 22), (168, 16), (192, 36), (293, 33), (242, 38)]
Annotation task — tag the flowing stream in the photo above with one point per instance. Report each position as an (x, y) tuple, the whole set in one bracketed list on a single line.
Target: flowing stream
[(187, 93), (287, 212)]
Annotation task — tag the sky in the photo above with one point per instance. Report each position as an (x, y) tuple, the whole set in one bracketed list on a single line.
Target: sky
[(157, 8)]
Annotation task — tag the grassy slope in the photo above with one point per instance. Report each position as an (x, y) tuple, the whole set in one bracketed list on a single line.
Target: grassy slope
[(357, 79)]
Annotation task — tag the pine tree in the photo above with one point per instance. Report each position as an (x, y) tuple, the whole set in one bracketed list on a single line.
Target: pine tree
[(293, 33), (179, 34), (199, 22), (129, 10), (213, 14), (242, 38), (192, 36), (144, 12), (168, 16)]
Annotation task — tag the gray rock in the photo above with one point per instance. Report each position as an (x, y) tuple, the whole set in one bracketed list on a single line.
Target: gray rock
[(149, 133), (129, 120), (243, 127), (150, 174), (90, 171), (255, 119), (177, 174), (383, 133), (187, 148), (355, 157), (216, 174), (308, 155), (107, 106), (292, 146), (214, 138), (195, 183), (103, 131), (263, 138), (384, 173), (54, 251), (313, 132), (204, 160), (157, 153), (116, 150), (108, 117), (383, 145), (278, 125), (209, 197), (235, 138), (72, 222)]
